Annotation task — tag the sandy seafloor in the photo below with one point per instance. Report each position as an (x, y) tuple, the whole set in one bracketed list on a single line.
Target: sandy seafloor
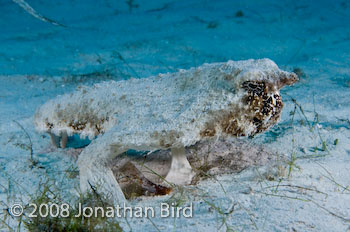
[(106, 40)]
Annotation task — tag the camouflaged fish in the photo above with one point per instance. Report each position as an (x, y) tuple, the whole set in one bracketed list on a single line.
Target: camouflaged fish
[(167, 111)]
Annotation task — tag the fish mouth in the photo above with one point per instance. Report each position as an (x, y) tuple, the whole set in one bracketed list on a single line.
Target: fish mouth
[(287, 79)]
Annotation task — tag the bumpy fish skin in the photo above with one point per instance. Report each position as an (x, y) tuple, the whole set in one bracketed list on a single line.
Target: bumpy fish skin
[(173, 110)]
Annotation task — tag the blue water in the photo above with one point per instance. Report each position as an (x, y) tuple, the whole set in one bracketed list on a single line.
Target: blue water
[(160, 36)]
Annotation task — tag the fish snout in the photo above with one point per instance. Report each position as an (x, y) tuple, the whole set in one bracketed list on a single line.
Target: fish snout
[(287, 78)]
